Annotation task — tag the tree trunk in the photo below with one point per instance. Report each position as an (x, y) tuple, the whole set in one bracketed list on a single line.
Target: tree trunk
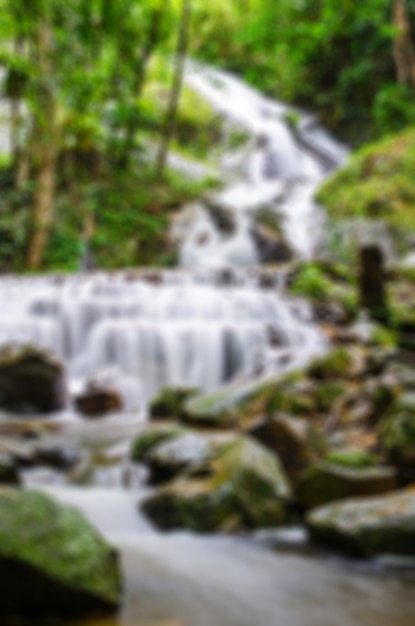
[(171, 115), (403, 48), (45, 149), (152, 39)]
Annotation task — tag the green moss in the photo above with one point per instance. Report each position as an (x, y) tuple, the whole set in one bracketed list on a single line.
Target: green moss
[(351, 457), (56, 540), (327, 393), (337, 363), (377, 183), (150, 439)]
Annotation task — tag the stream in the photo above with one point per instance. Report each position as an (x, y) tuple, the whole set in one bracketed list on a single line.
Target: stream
[(217, 320)]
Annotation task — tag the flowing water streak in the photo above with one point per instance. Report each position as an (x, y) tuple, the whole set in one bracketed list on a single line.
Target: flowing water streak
[(285, 159), (175, 330)]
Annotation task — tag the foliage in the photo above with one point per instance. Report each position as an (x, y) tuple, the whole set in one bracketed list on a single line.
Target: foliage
[(377, 184)]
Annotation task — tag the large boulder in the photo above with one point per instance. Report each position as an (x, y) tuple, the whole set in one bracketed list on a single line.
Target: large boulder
[(170, 458), (51, 559), (326, 482), (367, 527), (169, 403), (291, 439), (32, 380), (245, 488), (150, 438)]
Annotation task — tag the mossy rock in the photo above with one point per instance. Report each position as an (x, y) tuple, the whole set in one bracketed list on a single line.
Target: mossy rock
[(292, 440), (150, 438), (339, 363), (186, 451), (367, 527), (351, 457), (170, 402), (397, 430), (246, 488), (32, 380), (327, 482), (52, 561)]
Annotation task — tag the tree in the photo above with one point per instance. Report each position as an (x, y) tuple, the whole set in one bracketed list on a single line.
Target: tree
[(173, 103), (403, 48)]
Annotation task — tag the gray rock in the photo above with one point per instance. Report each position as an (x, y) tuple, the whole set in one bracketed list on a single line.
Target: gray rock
[(367, 527), (51, 559)]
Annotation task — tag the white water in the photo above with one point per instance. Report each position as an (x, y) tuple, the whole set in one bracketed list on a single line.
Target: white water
[(278, 168), (144, 336)]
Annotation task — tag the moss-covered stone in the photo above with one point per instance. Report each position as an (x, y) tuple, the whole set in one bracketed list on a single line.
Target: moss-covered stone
[(183, 452), (170, 403), (246, 488), (150, 438), (51, 559), (351, 457), (339, 363), (291, 439), (367, 526), (327, 482)]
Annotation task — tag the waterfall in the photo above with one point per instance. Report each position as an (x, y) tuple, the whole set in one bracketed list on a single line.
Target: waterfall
[(182, 329), (285, 158)]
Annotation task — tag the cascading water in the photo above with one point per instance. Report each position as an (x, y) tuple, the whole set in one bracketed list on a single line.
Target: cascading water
[(279, 167), (206, 328), (184, 330)]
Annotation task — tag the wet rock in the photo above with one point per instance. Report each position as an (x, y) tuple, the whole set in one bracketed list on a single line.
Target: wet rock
[(51, 559), (170, 403), (247, 488), (271, 246), (289, 438), (172, 457), (327, 482), (9, 472), (222, 216), (57, 456), (31, 380), (367, 527), (98, 400), (150, 438)]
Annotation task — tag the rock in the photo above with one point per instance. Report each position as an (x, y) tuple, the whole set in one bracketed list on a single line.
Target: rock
[(170, 402), (367, 527), (351, 457), (289, 439), (397, 430), (247, 488), (169, 458), (57, 456), (327, 482), (271, 246), (98, 400), (9, 472), (31, 380), (150, 438), (52, 562), (339, 363)]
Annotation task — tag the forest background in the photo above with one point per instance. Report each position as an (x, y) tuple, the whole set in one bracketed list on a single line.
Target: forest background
[(95, 102)]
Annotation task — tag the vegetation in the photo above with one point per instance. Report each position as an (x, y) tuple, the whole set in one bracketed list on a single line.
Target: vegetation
[(96, 99)]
